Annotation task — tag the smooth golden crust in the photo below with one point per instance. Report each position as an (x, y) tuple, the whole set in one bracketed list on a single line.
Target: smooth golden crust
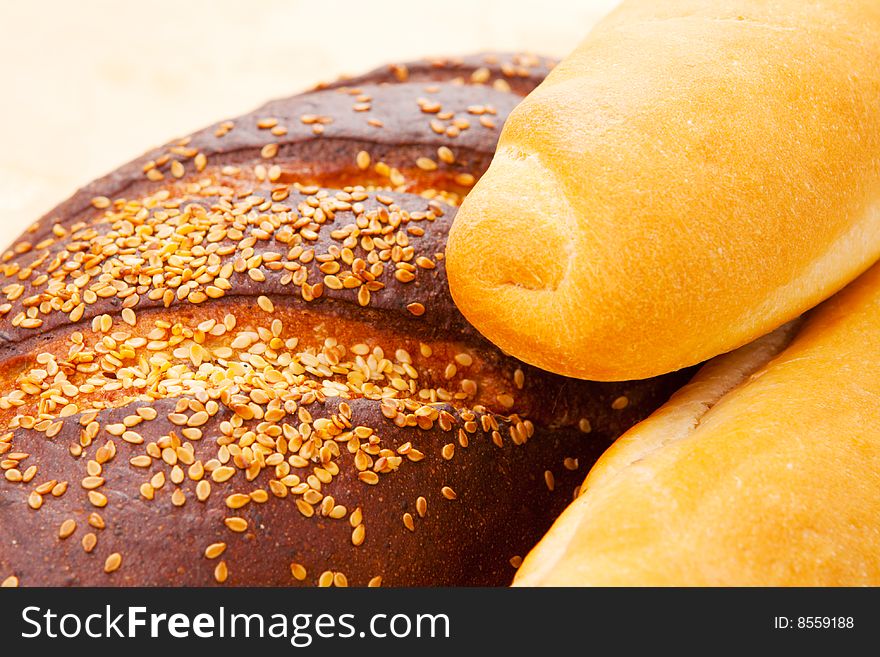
[(217, 371), (773, 483), (691, 177)]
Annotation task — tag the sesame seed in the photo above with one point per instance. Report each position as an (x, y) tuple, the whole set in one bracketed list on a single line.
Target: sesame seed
[(358, 534), (265, 304), (237, 500), (67, 528), (97, 499), (429, 106), (112, 563), (197, 419), (147, 412), (35, 500), (215, 550), (223, 473), (89, 541), (425, 263), (403, 275), (90, 483), (326, 579), (516, 561), (481, 75), (448, 493), (584, 425), (269, 151), (408, 522), (375, 582), (369, 477), (221, 572), (10, 582), (620, 403), (236, 524), (132, 437), (177, 475), (397, 178), (505, 400), (549, 480), (298, 571), (203, 490), (446, 155), (363, 160), (157, 481)]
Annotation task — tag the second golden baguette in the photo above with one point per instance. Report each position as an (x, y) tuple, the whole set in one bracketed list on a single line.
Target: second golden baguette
[(755, 474)]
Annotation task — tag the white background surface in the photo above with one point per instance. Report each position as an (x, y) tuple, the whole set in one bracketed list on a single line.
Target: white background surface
[(89, 85)]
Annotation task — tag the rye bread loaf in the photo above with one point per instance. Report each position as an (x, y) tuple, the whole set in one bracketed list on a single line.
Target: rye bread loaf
[(235, 359)]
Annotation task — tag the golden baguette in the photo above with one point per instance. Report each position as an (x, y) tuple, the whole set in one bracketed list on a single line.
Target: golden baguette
[(752, 474), (693, 176)]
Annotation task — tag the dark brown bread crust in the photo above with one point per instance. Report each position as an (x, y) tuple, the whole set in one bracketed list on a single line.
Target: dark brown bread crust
[(325, 131), (216, 371), (516, 72), (503, 506)]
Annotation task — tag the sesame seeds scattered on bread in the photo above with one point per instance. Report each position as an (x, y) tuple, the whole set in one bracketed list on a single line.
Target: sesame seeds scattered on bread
[(235, 361)]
